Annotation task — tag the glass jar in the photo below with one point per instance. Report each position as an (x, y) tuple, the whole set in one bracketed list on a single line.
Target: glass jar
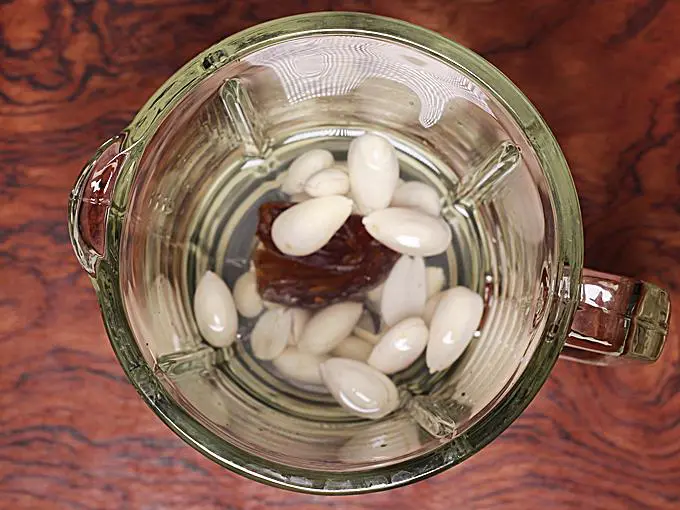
[(175, 194)]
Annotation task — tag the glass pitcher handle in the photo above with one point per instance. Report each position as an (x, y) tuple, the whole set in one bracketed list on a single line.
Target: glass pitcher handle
[(618, 320), (90, 201)]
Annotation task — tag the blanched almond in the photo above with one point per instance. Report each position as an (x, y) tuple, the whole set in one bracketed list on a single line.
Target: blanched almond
[(330, 326), (417, 195), (359, 388), (299, 365), (304, 167), (248, 301), (354, 348), (373, 171), (404, 294), (271, 333), (299, 320), (455, 320), (307, 226), (400, 346), (215, 310), (409, 231), (327, 182)]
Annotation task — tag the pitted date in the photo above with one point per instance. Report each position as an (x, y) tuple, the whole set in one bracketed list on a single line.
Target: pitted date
[(348, 266)]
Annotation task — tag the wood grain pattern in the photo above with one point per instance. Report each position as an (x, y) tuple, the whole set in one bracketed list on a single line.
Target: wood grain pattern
[(73, 432)]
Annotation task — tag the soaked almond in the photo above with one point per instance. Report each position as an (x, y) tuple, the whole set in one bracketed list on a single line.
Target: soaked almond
[(417, 195), (373, 172), (271, 333), (307, 226), (400, 346), (360, 389), (303, 167), (455, 321), (409, 231), (330, 326), (404, 293), (248, 301), (215, 311), (327, 182), (300, 366), (354, 348)]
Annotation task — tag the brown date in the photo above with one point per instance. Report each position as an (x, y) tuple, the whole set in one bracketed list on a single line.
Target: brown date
[(348, 266)]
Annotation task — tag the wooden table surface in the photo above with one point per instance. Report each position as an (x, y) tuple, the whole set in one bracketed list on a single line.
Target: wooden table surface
[(73, 432)]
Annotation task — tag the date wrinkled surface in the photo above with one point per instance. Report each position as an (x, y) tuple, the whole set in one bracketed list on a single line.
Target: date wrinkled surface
[(348, 266)]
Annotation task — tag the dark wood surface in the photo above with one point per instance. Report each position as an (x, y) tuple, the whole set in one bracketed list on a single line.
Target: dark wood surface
[(73, 432)]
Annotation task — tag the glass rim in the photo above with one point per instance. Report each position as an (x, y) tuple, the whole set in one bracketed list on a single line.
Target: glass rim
[(560, 309)]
